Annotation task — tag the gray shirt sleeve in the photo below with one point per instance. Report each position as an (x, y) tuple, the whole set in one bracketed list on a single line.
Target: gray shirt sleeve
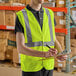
[(18, 26)]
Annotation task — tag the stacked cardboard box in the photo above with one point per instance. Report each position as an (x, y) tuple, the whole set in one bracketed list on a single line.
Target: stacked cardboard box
[(10, 18), (3, 43), (61, 64), (73, 51), (2, 17), (23, 1), (49, 3), (73, 33), (73, 14), (7, 49), (73, 47), (9, 53), (71, 1), (16, 56), (7, 18), (12, 52), (12, 36), (60, 20), (16, 1), (60, 3), (3, 46), (4, 34)]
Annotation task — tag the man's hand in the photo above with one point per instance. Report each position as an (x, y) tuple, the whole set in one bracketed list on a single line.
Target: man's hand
[(50, 53), (62, 57)]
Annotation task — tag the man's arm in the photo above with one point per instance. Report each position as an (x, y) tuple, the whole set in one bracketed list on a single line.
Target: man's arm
[(24, 49), (59, 48), (28, 51), (57, 45)]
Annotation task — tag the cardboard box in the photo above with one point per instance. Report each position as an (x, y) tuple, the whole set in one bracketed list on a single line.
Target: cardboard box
[(10, 47), (59, 14), (60, 3), (2, 56), (73, 14), (60, 26), (10, 18), (15, 56), (28, 2), (73, 42), (47, 4), (23, 1), (3, 48), (4, 35), (73, 51), (12, 36), (73, 35), (2, 17), (60, 20), (71, 1), (3, 42), (6, 3), (59, 63), (16, 1), (73, 30), (9, 54), (45, 0)]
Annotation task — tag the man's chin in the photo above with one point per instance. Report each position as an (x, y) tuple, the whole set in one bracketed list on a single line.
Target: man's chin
[(41, 2)]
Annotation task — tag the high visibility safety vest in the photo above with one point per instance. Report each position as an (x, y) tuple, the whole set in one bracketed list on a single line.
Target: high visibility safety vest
[(37, 39)]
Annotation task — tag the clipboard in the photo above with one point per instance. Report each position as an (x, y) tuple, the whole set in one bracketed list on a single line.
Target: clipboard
[(65, 52)]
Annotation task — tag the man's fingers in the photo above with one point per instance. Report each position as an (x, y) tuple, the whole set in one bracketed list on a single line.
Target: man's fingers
[(53, 51), (62, 58)]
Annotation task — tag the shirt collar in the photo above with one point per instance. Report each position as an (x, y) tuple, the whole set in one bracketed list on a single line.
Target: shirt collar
[(31, 9)]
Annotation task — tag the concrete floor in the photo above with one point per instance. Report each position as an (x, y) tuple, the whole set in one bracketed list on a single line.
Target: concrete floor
[(6, 70), (10, 71), (63, 74)]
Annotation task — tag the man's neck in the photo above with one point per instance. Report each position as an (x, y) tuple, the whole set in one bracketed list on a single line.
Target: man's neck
[(36, 7)]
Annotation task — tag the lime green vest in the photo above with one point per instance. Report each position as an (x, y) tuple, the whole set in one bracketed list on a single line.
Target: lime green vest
[(37, 39)]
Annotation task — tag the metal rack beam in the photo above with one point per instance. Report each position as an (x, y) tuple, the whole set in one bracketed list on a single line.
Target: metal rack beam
[(17, 8)]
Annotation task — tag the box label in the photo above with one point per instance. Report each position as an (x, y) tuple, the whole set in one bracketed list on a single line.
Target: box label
[(61, 2), (74, 15), (60, 14), (62, 22), (60, 65)]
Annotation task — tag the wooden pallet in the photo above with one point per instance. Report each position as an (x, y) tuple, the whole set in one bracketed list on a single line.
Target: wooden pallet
[(59, 69)]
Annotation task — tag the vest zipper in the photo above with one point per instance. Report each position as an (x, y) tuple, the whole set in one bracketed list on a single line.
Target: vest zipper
[(42, 51)]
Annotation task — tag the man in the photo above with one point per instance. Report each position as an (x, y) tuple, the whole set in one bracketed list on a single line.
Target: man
[(34, 32)]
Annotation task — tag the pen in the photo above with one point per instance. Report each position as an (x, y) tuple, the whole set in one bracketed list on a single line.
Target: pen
[(48, 46)]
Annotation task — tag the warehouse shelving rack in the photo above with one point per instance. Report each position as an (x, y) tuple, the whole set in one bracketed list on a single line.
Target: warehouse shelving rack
[(21, 7), (68, 35), (17, 8)]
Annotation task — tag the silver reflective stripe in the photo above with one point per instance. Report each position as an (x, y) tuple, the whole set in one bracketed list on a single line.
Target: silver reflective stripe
[(28, 31), (51, 43), (33, 44), (50, 23)]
